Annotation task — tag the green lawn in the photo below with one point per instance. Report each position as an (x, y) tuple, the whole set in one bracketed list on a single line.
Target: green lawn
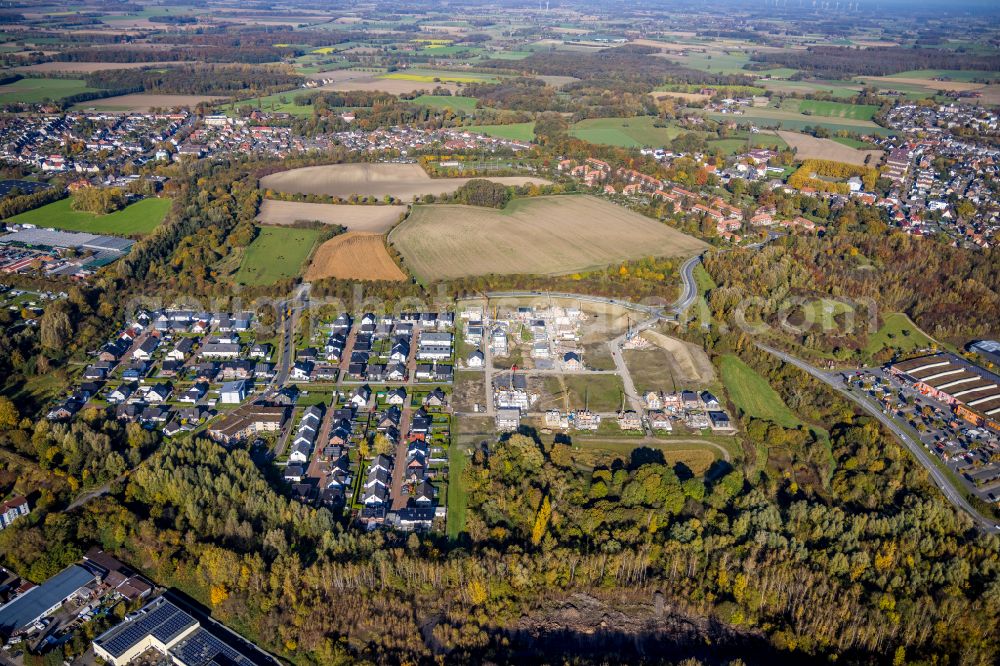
[(34, 91), (454, 102), (624, 132), (515, 132), (830, 109), (275, 254), (601, 393), (138, 219), (897, 332), (457, 498), (753, 395)]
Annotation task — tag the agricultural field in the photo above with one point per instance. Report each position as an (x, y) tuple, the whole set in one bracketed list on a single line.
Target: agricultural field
[(34, 91), (277, 253), (854, 143), (839, 89), (753, 395), (716, 62), (830, 109), (736, 145), (143, 102), (809, 147), (277, 103), (402, 181), (790, 120), (541, 235), (440, 75), (624, 132), (375, 219), (376, 82), (514, 132), (355, 255), (453, 102), (87, 67), (920, 85), (967, 75), (136, 220)]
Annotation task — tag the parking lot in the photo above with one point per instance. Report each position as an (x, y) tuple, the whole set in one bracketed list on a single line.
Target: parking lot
[(972, 453)]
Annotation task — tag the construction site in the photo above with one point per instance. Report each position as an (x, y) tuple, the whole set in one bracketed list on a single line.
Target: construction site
[(592, 368)]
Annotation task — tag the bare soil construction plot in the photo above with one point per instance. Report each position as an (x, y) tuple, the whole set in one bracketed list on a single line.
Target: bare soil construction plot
[(376, 219), (403, 181), (142, 102), (689, 361), (543, 235), (355, 255), (809, 147)]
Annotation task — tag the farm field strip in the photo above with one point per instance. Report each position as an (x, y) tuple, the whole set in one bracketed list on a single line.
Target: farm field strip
[(355, 255), (543, 235), (402, 181), (809, 147), (378, 219)]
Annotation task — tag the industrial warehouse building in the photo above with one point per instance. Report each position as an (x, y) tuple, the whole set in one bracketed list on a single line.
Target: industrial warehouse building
[(973, 392), (40, 601)]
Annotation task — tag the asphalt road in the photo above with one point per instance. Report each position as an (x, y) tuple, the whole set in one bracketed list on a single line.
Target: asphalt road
[(956, 498)]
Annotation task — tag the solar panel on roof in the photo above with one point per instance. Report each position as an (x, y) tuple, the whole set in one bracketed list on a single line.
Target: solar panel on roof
[(164, 623)]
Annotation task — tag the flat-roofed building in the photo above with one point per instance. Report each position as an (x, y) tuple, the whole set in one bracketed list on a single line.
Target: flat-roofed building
[(44, 599), (160, 625)]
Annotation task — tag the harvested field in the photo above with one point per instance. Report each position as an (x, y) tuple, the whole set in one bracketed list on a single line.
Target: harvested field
[(403, 181), (376, 219), (929, 83), (661, 95), (88, 67), (142, 102), (990, 96), (543, 235), (371, 82), (809, 147), (355, 255)]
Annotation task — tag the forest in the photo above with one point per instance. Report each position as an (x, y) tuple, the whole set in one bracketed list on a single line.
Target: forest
[(196, 80), (949, 292), (841, 62), (860, 559)]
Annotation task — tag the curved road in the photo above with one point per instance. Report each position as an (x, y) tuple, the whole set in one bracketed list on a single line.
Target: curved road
[(916, 448)]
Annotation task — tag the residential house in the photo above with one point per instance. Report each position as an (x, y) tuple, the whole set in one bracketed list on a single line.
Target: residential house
[(508, 419), (144, 351), (233, 393), (12, 509)]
